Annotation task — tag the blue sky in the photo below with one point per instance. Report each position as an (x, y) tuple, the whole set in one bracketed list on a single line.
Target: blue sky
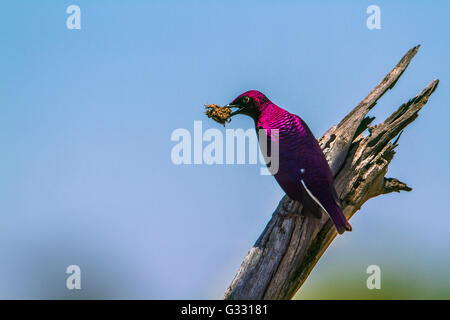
[(86, 118)]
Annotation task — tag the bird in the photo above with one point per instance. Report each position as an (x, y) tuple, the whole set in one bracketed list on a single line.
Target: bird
[(303, 171)]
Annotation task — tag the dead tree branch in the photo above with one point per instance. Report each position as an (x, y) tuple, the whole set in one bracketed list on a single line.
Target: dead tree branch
[(290, 246)]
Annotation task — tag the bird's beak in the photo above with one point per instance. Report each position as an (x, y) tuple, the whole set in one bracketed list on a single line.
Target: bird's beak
[(234, 106)]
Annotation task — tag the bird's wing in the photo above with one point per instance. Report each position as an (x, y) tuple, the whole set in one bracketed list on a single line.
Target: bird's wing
[(315, 177), (335, 195), (311, 202)]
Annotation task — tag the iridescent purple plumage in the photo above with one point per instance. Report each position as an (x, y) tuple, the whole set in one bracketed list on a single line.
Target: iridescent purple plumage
[(304, 173)]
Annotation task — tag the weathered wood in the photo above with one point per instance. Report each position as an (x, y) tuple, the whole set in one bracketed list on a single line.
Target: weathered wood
[(291, 245)]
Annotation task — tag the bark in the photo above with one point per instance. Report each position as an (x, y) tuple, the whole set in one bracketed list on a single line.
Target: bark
[(290, 246)]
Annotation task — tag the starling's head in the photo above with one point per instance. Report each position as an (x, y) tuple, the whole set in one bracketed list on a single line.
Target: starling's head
[(250, 103)]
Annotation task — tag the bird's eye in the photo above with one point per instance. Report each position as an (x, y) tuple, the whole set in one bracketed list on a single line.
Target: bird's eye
[(246, 99)]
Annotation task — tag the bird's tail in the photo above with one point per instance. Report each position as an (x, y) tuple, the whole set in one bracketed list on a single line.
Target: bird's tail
[(339, 220)]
